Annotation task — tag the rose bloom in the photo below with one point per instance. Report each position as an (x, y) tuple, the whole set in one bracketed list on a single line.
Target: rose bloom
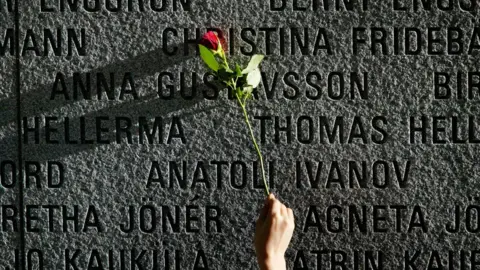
[(223, 41), (211, 40)]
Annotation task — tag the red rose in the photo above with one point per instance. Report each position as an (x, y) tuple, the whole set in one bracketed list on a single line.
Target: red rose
[(223, 41), (210, 40)]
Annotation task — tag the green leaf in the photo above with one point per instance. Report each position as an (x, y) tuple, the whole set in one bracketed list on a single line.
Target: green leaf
[(254, 62), (208, 57), (254, 78), (225, 68), (239, 92), (238, 70), (225, 74), (248, 89)]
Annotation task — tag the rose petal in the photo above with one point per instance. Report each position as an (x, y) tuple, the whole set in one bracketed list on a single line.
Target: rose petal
[(210, 40)]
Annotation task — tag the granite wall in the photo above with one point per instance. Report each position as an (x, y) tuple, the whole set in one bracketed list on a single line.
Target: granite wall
[(118, 151)]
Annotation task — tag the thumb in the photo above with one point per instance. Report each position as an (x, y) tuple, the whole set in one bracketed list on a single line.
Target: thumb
[(266, 207)]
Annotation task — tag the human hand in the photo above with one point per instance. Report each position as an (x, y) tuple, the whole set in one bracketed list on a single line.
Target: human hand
[(273, 232)]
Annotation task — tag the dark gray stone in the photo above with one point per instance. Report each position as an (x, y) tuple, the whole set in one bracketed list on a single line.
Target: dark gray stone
[(110, 178), (8, 151)]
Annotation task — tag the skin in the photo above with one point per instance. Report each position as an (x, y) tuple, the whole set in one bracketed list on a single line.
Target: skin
[(273, 232)]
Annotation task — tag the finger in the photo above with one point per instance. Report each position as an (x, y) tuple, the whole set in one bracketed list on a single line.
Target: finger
[(270, 199), (264, 211), (266, 207), (290, 214), (284, 211), (276, 208)]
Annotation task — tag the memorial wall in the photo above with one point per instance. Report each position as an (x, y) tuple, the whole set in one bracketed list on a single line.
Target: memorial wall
[(118, 149)]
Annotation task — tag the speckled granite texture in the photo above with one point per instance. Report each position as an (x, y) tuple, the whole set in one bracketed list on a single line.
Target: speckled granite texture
[(208, 218)]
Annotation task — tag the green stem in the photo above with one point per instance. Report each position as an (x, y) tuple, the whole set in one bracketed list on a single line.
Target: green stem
[(224, 57), (242, 104)]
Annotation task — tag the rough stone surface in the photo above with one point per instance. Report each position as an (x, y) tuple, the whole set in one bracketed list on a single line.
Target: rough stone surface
[(8, 148), (113, 177)]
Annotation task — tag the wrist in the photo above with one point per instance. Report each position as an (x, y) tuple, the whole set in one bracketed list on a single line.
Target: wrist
[(273, 263)]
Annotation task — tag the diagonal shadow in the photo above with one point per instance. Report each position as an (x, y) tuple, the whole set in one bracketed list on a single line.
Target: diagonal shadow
[(148, 106), (35, 103), (38, 101)]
